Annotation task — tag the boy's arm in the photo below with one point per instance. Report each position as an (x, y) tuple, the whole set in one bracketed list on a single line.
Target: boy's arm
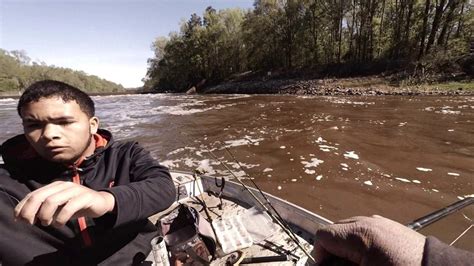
[(147, 190), (150, 190)]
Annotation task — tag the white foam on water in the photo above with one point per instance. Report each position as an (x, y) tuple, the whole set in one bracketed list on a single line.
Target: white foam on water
[(368, 183), (170, 163), (314, 163), (240, 174), (227, 174), (453, 174), (205, 166), (344, 165), (8, 100), (279, 187), (282, 147), (294, 180), (346, 101), (402, 124), (327, 148), (416, 181), (181, 150), (320, 140), (351, 154), (448, 112), (345, 169), (424, 169), (175, 151), (319, 177), (244, 165), (247, 140), (450, 130), (435, 190), (186, 108), (403, 179), (237, 96), (190, 162), (309, 172), (267, 170)]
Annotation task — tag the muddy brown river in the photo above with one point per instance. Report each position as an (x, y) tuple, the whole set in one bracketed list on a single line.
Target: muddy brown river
[(399, 157)]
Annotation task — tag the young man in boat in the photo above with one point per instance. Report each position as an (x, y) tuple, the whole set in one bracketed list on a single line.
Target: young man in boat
[(69, 193)]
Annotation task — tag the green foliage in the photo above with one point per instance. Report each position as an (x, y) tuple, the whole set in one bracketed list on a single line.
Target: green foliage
[(206, 49), (17, 72), (324, 35)]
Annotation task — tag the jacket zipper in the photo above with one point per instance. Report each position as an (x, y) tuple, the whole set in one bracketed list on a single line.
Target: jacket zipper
[(86, 238)]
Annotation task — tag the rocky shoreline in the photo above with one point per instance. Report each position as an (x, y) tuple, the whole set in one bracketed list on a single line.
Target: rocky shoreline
[(332, 87)]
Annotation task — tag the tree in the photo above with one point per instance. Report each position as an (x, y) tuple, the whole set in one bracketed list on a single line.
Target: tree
[(17, 71)]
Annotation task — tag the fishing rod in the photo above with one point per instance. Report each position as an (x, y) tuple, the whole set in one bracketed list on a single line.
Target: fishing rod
[(262, 194), (439, 214), (265, 208), (461, 235), (285, 229)]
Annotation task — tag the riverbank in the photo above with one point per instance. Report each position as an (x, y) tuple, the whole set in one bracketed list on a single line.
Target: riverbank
[(373, 85), (16, 94)]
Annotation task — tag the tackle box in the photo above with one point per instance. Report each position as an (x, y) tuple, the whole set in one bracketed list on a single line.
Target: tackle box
[(232, 234)]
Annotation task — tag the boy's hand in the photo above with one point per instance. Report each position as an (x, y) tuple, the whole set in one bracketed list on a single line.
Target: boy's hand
[(58, 202)]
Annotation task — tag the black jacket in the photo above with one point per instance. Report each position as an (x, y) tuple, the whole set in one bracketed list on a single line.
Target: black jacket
[(437, 253), (140, 185)]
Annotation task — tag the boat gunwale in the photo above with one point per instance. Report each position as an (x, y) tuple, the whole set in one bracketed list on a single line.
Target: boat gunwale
[(290, 212)]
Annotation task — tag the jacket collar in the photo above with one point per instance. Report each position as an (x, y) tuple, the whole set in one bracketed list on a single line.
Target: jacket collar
[(19, 156)]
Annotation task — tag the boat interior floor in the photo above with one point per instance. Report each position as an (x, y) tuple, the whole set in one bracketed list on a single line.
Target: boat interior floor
[(269, 240)]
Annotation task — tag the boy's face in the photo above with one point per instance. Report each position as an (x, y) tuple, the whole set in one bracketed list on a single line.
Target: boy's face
[(59, 131)]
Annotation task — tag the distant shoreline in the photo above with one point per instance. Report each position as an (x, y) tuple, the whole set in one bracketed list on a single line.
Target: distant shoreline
[(5, 95), (361, 86)]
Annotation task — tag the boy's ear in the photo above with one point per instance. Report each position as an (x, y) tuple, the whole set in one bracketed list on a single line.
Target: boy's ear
[(94, 125)]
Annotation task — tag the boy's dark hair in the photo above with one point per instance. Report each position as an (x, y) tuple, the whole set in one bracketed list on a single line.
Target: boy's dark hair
[(53, 88)]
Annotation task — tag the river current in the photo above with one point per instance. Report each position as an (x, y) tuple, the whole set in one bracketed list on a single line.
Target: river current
[(399, 157)]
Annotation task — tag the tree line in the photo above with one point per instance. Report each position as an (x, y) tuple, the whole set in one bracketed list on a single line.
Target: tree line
[(336, 36), (17, 71)]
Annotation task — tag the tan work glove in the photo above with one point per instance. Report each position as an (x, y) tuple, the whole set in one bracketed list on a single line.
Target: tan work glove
[(369, 241)]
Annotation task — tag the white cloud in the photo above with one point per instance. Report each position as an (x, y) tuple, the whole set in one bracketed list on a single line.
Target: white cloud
[(128, 74)]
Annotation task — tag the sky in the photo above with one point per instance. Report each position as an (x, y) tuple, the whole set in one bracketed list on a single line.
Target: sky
[(107, 38)]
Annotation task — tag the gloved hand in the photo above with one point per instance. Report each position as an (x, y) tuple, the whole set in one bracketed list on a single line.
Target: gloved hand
[(369, 241)]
